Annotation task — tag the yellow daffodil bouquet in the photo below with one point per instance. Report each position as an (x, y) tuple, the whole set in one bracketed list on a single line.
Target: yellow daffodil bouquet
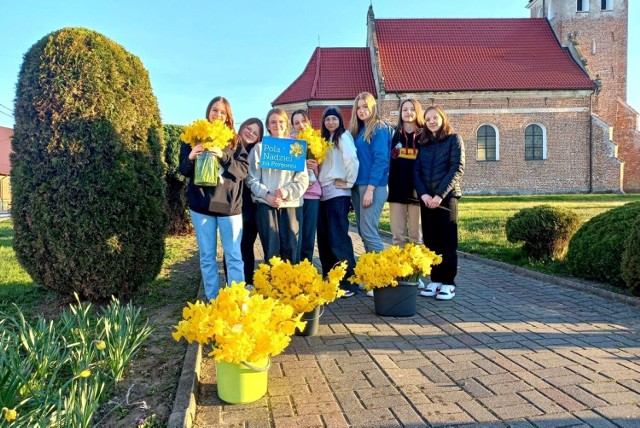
[(211, 135), (393, 264), (299, 285), (242, 328), (317, 147)]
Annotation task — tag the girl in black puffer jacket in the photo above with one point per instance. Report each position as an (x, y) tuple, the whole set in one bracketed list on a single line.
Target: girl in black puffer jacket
[(437, 175)]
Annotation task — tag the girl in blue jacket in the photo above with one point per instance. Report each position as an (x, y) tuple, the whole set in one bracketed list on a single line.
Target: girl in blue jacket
[(369, 193)]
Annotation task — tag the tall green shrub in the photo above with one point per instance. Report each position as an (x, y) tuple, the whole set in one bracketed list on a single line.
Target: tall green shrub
[(544, 229), (87, 167), (596, 248), (630, 267), (177, 206)]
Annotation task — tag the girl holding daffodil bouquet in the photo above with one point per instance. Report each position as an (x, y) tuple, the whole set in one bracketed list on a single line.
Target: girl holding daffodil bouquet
[(311, 199), (216, 206), (278, 194)]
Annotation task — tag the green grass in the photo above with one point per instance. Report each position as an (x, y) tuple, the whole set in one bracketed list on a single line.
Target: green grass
[(483, 218), (17, 287)]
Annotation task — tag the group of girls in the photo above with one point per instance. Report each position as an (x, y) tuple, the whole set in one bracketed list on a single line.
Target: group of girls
[(417, 168)]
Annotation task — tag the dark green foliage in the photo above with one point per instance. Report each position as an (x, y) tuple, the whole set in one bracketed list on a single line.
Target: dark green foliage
[(177, 207), (544, 229), (596, 248), (87, 167), (631, 259)]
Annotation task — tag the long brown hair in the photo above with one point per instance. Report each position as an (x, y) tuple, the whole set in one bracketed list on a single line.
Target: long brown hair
[(445, 130), (252, 121), (419, 114)]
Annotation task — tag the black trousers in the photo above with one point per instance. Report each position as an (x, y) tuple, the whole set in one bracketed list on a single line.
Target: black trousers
[(440, 234)]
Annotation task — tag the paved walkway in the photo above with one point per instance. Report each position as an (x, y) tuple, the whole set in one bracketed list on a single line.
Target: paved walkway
[(507, 351)]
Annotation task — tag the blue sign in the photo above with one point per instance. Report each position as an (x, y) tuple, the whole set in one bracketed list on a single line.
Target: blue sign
[(283, 153)]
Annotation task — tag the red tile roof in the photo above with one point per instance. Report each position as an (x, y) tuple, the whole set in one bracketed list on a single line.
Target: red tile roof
[(5, 150), (332, 74), (474, 54)]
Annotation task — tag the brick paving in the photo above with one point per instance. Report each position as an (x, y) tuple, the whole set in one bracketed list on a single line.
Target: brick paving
[(508, 351)]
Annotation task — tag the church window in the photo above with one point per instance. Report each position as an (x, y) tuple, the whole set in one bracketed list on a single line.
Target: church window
[(606, 4), (535, 142), (583, 6), (488, 144)]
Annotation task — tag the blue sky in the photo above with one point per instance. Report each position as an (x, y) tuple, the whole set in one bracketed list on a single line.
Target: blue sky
[(246, 50)]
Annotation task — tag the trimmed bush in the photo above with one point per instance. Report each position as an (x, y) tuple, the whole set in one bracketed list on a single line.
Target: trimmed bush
[(87, 167), (630, 268), (595, 250), (177, 206), (544, 229)]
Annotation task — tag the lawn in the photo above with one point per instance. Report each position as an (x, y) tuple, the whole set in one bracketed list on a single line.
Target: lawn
[(483, 218)]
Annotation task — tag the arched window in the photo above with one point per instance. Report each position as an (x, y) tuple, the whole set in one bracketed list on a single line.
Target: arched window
[(487, 137), (535, 142)]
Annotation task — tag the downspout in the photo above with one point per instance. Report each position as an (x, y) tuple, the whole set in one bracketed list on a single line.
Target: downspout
[(591, 142)]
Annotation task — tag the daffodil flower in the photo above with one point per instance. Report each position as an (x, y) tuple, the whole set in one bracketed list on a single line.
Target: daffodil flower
[(9, 414)]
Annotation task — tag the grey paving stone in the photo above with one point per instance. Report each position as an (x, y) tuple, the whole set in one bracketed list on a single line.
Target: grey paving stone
[(502, 354)]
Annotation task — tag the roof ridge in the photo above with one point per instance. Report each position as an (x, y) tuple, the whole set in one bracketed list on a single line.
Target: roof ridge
[(316, 77)]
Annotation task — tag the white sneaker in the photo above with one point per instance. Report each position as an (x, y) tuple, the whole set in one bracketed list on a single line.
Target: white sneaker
[(446, 292), (370, 293), (420, 283), (431, 289)]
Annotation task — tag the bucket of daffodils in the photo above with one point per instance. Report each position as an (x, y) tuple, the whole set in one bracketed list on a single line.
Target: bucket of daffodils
[(300, 286), (245, 331), (393, 275)]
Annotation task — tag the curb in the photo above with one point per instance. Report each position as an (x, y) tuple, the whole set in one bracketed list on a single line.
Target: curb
[(183, 413)]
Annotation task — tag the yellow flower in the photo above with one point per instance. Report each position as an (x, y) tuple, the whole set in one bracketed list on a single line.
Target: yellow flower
[(295, 150), (210, 134), (100, 345), (393, 264), (299, 285), (317, 147), (241, 327), (9, 414), (85, 373)]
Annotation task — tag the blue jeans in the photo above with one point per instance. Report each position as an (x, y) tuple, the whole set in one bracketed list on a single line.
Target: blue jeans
[(367, 219), (206, 228), (334, 242), (279, 230), (309, 226)]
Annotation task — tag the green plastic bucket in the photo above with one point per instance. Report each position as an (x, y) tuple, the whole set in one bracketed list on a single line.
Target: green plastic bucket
[(244, 382)]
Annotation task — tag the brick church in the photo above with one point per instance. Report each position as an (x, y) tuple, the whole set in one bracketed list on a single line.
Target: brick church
[(540, 102)]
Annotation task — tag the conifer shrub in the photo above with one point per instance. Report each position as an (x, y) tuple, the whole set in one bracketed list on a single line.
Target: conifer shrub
[(596, 248), (177, 206), (87, 167), (630, 268), (544, 229)]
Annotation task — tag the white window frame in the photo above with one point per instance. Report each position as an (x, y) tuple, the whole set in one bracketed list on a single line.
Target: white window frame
[(608, 5), (497, 131), (584, 6), (544, 141)]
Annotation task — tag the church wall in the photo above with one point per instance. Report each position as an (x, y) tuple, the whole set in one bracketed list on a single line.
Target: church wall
[(566, 121)]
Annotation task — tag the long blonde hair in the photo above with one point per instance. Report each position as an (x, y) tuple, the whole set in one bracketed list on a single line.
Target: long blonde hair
[(355, 125)]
